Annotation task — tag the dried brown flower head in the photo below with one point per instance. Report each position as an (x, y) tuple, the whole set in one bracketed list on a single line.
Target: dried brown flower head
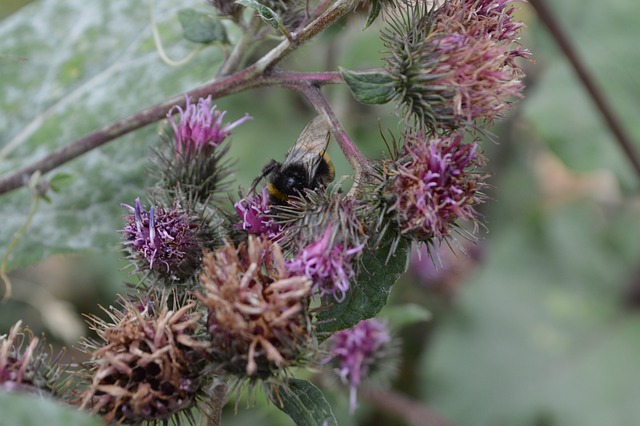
[(149, 365), (258, 317)]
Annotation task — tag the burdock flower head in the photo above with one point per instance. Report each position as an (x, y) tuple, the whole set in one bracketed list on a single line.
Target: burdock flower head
[(328, 262), (192, 161), (166, 241), (24, 367), (258, 317), (200, 127), (148, 365), (455, 65), (324, 232), (434, 186), (254, 212), (361, 352)]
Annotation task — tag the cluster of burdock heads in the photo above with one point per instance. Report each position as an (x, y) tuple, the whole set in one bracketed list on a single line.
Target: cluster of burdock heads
[(229, 297)]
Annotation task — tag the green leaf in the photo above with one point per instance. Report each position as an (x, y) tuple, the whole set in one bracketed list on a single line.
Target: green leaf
[(266, 13), (368, 295), (201, 27), (304, 403), (369, 87), (403, 315), (63, 84), (60, 181), (35, 410)]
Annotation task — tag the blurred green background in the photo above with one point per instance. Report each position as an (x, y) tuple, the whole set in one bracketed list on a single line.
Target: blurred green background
[(537, 326)]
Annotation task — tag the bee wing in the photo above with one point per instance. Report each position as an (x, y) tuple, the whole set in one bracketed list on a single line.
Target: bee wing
[(311, 145)]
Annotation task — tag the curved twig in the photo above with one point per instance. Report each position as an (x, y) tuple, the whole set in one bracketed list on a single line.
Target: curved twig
[(413, 412), (358, 161), (588, 82)]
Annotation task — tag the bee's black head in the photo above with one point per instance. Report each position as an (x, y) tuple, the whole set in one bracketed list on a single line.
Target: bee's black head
[(286, 181)]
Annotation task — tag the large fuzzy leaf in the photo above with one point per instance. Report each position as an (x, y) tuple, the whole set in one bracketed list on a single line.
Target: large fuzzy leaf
[(33, 410), (69, 68)]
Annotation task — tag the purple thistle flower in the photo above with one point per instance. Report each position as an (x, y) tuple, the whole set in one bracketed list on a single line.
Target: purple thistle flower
[(329, 264), (200, 127), (191, 165), (254, 212), (356, 351), (440, 269), (455, 66), (478, 58), (166, 241), (434, 186), (498, 16)]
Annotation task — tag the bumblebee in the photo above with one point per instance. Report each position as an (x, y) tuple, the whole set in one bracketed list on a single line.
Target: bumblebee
[(307, 165)]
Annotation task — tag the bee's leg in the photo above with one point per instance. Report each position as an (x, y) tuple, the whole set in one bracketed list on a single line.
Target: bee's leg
[(266, 171)]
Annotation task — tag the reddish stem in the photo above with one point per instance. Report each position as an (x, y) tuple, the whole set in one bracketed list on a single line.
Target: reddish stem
[(243, 80), (412, 412), (588, 82), (358, 161)]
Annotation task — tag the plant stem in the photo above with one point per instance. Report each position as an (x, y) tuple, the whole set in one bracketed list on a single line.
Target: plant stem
[(281, 51), (218, 401), (293, 79), (243, 80), (234, 60), (413, 413), (588, 82), (320, 7), (358, 162), (4, 276)]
